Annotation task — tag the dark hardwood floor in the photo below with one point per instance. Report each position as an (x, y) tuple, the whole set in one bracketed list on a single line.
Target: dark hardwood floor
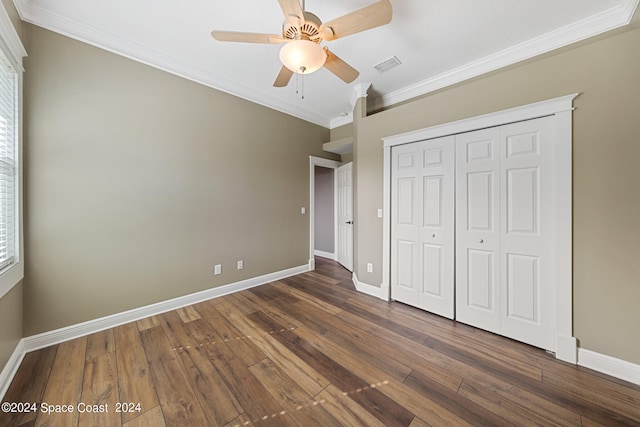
[(304, 351)]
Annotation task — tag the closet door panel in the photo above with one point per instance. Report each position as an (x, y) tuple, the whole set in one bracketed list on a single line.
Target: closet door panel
[(422, 216), (527, 258), (477, 229)]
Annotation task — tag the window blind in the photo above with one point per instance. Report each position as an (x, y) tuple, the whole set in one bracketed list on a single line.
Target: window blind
[(8, 143)]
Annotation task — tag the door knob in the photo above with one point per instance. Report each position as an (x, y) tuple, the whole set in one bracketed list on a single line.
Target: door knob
[(349, 222), (480, 241)]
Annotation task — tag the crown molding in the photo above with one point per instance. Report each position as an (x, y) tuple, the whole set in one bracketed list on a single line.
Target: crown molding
[(608, 20), (10, 42), (630, 7), (341, 121), (359, 91), (104, 40), (596, 24)]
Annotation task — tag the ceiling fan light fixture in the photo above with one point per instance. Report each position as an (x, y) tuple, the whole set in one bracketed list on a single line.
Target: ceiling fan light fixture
[(303, 56)]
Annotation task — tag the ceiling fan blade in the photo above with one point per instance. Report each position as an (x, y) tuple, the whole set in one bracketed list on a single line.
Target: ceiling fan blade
[(292, 12), (238, 36), (363, 19), (340, 68), (283, 77)]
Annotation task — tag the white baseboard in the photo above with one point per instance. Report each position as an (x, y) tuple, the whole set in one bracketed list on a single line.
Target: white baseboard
[(324, 254), (365, 288), (567, 348), (57, 336), (11, 368), (618, 368)]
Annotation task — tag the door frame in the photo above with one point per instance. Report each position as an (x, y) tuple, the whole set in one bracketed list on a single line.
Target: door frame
[(561, 110), (330, 164)]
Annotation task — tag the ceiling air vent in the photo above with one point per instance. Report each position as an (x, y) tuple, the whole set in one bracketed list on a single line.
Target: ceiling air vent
[(388, 64)]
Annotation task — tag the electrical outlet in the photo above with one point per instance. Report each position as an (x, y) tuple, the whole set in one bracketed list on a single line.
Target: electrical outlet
[(217, 269), (240, 264), (380, 213), (303, 210), (369, 267)]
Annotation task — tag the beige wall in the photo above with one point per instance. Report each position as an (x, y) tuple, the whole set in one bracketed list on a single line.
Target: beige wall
[(340, 132), (606, 196), (138, 182), (10, 323)]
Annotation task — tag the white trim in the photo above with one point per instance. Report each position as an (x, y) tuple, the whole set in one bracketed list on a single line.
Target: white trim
[(112, 43), (324, 254), (10, 42), (365, 288), (618, 368), (11, 277), (57, 336), (511, 115), (386, 223), (359, 91), (325, 163), (566, 344), (11, 368), (46, 339), (341, 120), (561, 109), (12, 47), (607, 20), (615, 17)]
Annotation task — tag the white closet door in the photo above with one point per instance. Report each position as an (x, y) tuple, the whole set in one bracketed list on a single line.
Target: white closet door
[(422, 253), (478, 229), (504, 238), (526, 194)]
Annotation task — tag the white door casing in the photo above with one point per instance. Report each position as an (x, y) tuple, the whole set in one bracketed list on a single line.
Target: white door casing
[(345, 215), (560, 112), (422, 212), (326, 163)]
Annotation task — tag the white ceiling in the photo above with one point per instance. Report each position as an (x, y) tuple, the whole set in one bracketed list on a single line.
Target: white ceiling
[(439, 42)]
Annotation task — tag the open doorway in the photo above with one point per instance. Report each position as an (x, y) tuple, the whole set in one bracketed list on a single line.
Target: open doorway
[(324, 223), (324, 212)]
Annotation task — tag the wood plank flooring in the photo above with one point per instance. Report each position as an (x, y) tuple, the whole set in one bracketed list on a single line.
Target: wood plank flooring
[(304, 351)]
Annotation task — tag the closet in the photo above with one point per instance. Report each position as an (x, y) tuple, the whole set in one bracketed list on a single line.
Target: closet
[(473, 223)]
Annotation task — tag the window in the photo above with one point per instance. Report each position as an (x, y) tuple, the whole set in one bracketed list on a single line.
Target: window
[(11, 54), (8, 151)]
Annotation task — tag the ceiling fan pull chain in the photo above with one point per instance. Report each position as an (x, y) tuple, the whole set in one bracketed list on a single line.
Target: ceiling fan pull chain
[(300, 85)]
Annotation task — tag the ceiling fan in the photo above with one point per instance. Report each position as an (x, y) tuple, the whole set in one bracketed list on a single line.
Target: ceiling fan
[(303, 32)]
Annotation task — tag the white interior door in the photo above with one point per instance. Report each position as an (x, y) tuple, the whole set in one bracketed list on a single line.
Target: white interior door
[(345, 215), (422, 212), (504, 238), (478, 229)]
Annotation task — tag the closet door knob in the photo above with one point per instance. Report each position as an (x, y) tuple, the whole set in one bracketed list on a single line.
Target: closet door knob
[(480, 241)]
